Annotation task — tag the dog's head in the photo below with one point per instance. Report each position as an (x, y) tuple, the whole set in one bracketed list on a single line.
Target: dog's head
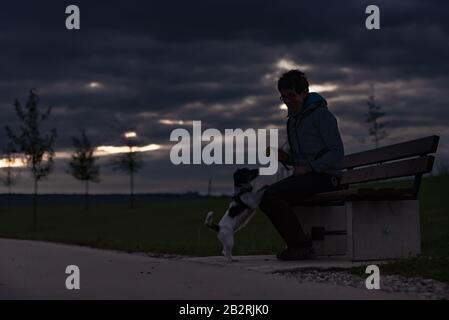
[(245, 176)]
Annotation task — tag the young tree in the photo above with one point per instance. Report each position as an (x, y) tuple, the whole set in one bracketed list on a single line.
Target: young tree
[(129, 162), (373, 117), (442, 169), (9, 174), (82, 165), (209, 187), (36, 146)]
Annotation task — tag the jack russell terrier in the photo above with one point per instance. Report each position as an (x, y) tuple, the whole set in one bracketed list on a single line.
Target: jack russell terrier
[(241, 209)]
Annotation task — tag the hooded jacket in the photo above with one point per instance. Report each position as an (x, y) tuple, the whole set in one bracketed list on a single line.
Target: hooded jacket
[(314, 138)]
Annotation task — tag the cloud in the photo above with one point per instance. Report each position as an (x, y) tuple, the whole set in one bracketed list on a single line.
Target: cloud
[(146, 66)]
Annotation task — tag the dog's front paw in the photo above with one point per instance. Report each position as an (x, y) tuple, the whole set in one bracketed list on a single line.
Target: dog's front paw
[(230, 259)]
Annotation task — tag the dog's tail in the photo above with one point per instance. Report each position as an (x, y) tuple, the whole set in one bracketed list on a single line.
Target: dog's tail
[(209, 223)]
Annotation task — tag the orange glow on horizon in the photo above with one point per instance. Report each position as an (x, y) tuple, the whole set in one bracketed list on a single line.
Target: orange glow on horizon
[(107, 150), (18, 162), (13, 163), (130, 134)]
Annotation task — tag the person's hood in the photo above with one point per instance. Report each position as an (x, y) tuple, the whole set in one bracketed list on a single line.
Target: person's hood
[(312, 102)]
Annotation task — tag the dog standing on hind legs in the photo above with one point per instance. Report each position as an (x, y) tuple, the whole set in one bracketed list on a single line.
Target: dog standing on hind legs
[(241, 209)]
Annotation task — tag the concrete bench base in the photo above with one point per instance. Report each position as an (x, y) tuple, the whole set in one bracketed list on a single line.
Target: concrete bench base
[(375, 230)]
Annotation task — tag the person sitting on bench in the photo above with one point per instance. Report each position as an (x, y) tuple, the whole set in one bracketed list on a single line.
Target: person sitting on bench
[(315, 152)]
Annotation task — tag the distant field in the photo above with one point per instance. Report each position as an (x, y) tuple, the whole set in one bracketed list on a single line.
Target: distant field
[(176, 227), (162, 227)]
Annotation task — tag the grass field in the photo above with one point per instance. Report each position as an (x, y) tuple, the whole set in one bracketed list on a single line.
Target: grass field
[(177, 228)]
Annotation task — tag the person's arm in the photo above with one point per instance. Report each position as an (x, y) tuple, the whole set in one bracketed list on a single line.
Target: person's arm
[(284, 159), (300, 170), (328, 129)]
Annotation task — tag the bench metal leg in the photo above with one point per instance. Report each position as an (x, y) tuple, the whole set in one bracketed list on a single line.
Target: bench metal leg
[(375, 230), (331, 218)]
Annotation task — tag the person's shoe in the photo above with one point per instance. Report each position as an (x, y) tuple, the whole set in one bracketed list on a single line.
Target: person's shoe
[(301, 253)]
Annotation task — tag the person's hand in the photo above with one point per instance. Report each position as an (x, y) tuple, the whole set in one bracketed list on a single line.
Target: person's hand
[(300, 170), (282, 156)]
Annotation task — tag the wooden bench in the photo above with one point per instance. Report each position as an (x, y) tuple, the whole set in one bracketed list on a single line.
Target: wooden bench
[(366, 223)]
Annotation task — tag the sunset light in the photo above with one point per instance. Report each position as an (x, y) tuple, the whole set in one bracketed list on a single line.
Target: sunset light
[(130, 135), (13, 163)]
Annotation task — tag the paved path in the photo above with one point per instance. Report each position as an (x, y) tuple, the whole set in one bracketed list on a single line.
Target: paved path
[(269, 263), (36, 270)]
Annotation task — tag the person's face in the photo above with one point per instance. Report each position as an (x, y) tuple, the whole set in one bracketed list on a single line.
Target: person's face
[(292, 99)]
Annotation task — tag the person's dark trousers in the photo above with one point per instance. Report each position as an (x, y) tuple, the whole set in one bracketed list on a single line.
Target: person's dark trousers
[(280, 198)]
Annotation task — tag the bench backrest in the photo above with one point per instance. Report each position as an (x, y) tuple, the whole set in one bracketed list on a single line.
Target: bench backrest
[(393, 161)]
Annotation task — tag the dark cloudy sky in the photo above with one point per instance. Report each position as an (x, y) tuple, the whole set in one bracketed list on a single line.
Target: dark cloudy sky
[(141, 65)]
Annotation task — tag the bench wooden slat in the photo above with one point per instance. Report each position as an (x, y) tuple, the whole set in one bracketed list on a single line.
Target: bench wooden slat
[(397, 151), (363, 194), (389, 170)]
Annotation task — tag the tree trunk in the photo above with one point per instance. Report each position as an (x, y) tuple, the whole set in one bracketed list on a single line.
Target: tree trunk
[(35, 206), (9, 197), (132, 190), (9, 183), (376, 139), (86, 196)]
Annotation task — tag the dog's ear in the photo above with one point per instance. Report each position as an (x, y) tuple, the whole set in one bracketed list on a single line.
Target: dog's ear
[(237, 174), (254, 173), (237, 177), (242, 176)]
